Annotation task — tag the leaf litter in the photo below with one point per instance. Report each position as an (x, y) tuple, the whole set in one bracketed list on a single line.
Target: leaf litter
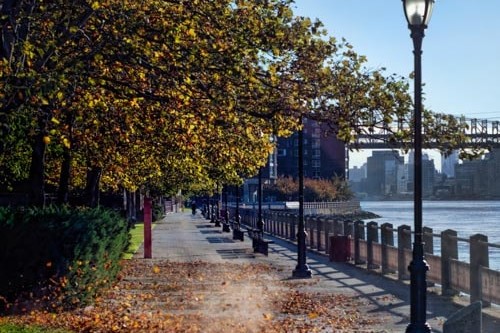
[(202, 297)]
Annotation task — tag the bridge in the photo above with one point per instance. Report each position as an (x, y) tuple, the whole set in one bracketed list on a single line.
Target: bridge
[(478, 133)]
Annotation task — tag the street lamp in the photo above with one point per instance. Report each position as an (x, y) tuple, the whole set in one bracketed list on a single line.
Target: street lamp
[(302, 269), (260, 220), (418, 14)]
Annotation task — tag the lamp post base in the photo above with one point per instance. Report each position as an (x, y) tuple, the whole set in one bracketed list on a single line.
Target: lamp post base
[(418, 291), (302, 272), (416, 328)]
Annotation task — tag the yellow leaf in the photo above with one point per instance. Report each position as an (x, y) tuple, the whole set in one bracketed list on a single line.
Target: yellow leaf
[(312, 315), (191, 33), (156, 269), (268, 316), (66, 143)]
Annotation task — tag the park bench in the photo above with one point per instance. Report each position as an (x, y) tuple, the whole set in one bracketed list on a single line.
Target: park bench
[(225, 221), (238, 231), (259, 244), (225, 226)]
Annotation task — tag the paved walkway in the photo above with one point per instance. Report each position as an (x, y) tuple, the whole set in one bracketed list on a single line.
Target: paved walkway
[(182, 237)]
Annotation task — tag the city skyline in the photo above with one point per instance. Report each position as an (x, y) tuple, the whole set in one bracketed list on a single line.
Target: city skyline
[(459, 56), (358, 158)]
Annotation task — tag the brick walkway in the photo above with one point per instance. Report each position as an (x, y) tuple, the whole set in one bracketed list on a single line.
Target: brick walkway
[(182, 237)]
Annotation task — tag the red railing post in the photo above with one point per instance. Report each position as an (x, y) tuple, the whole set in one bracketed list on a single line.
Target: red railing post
[(147, 229)]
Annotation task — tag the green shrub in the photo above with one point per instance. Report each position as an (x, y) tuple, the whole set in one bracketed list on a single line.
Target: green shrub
[(11, 328), (59, 257)]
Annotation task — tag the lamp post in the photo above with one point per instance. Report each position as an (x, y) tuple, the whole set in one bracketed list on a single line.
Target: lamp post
[(260, 220), (237, 212), (418, 14), (302, 269)]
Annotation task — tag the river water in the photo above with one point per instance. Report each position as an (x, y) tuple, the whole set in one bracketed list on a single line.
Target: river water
[(465, 217)]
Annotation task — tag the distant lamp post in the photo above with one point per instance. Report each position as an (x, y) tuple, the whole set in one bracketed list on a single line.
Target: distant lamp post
[(260, 220), (418, 14), (302, 269)]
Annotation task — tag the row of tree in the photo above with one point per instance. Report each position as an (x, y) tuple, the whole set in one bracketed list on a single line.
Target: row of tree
[(165, 94), (287, 189)]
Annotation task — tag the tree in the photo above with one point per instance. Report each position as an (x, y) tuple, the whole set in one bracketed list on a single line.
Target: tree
[(287, 188), (170, 94)]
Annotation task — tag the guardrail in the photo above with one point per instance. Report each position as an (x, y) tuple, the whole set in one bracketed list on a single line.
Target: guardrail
[(388, 250)]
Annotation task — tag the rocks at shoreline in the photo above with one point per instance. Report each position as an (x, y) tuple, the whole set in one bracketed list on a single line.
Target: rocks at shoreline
[(358, 215)]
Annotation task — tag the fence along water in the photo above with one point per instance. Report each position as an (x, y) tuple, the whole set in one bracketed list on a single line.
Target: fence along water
[(374, 247)]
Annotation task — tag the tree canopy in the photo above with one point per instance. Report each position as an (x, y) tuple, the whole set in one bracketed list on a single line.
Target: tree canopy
[(170, 94)]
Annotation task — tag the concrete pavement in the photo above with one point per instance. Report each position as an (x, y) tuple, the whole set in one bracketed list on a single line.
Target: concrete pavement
[(182, 237)]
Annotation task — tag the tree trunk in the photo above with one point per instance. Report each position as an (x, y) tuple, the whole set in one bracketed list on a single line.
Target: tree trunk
[(92, 187), (63, 190), (131, 207), (36, 189)]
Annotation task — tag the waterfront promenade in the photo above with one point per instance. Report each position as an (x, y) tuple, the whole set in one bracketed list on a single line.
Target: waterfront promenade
[(363, 296)]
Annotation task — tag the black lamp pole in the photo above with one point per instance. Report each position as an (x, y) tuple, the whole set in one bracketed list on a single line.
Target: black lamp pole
[(237, 212), (418, 14), (260, 220), (302, 269)]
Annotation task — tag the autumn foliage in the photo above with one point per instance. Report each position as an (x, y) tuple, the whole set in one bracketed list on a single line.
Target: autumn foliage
[(195, 297), (169, 95), (287, 188)]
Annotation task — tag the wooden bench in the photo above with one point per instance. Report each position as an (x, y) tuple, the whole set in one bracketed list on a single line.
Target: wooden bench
[(225, 227), (238, 234), (259, 244)]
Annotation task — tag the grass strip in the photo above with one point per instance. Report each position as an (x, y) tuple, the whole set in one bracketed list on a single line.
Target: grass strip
[(136, 240), (12, 328)]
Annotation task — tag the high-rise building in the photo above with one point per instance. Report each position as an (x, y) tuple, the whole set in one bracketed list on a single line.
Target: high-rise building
[(324, 156), (357, 174), (428, 174), (382, 172), (448, 164)]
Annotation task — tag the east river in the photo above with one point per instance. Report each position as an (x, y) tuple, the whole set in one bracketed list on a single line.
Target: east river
[(465, 217)]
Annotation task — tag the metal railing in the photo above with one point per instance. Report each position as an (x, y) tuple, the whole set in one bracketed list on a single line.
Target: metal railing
[(388, 250)]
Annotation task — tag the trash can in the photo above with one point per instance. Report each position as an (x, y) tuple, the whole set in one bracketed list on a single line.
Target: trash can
[(340, 248)]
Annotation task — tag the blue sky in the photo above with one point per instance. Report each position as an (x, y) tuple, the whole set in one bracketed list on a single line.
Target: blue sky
[(461, 49)]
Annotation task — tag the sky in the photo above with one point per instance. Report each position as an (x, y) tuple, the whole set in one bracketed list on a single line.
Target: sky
[(461, 49)]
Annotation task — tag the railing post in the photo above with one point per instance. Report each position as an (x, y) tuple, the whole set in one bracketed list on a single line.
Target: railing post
[(309, 228), (371, 237), (404, 243), (327, 227), (478, 258), (282, 226), (273, 216), (287, 223), (449, 250), (348, 228), (387, 239), (337, 228), (292, 227), (359, 233), (319, 228), (428, 240), (280, 217)]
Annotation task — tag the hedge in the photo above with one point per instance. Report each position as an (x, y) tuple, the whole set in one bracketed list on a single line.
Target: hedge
[(58, 257)]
